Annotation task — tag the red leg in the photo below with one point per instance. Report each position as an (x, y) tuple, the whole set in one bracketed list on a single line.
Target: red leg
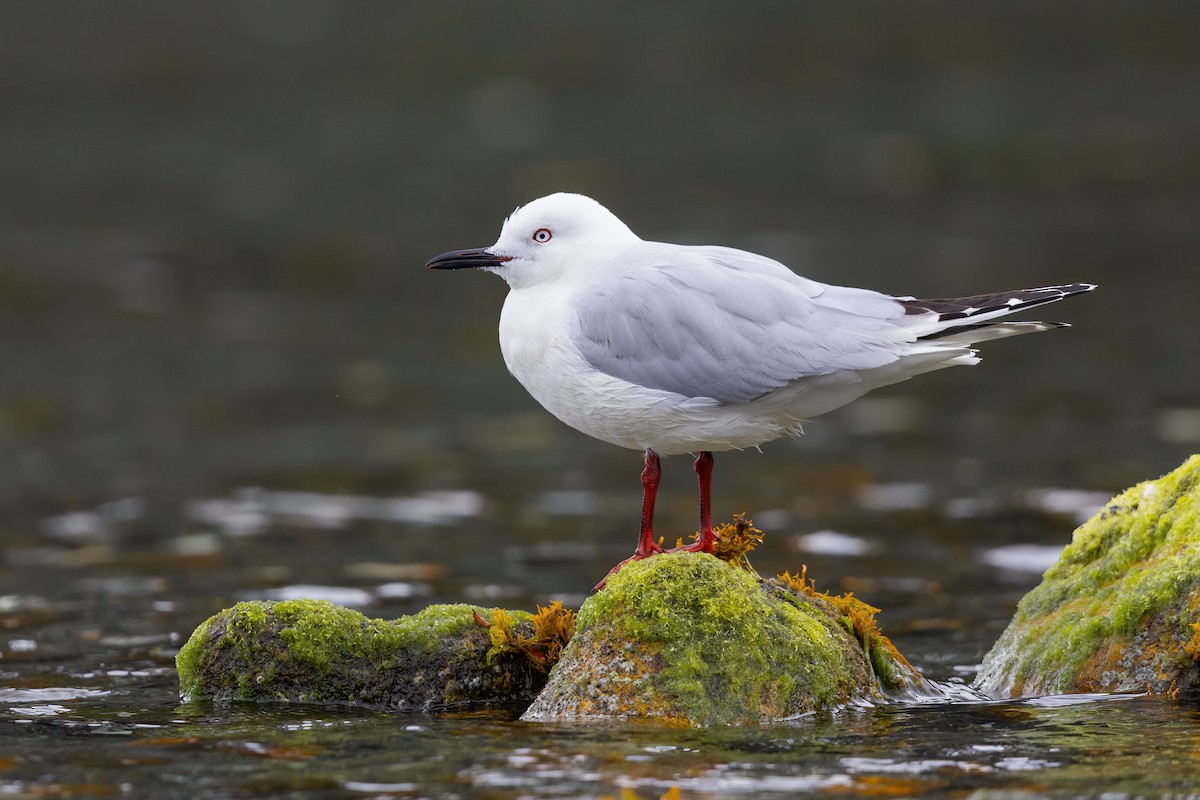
[(704, 468), (647, 546), (651, 474)]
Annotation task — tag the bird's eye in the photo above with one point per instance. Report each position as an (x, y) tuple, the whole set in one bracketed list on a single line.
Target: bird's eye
[(542, 235)]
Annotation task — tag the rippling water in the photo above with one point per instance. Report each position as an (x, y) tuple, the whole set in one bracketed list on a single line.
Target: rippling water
[(89, 704), (133, 738)]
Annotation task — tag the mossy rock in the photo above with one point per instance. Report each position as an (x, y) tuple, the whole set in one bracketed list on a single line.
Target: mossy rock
[(1120, 611), (314, 651), (688, 639)]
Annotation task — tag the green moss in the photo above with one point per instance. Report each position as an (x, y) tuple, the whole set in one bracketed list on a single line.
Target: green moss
[(435, 624), (1137, 559), (318, 633), (729, 648), (190, 657), (886, 668), (312, 650), (895, 675), (681, 637)]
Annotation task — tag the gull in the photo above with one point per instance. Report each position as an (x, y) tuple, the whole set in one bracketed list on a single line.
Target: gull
[(671, 349)]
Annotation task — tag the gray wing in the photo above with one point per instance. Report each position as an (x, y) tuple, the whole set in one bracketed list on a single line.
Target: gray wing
[(729, 325)]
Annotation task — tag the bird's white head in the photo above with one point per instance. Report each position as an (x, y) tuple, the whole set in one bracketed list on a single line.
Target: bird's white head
[(553, 236)]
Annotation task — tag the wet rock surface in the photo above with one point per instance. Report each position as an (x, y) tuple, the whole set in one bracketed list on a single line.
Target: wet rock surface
[(1120, 611), (688, 639), (313, 651), (682, 638)]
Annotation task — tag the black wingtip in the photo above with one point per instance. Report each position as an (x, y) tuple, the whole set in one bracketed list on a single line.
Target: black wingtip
[(954, 308)]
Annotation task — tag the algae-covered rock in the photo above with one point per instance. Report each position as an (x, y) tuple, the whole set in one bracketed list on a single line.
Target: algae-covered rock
[(313, 651), (1120, 611), (682, 637), (689, 639)]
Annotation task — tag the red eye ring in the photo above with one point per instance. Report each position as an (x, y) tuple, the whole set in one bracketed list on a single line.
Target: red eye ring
[(542, 235)]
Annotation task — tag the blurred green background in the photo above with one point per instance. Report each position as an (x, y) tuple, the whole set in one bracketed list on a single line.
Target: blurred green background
[(213, 221)]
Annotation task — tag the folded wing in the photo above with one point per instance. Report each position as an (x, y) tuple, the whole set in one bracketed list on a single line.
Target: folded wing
[(719, 323), (713, 322)]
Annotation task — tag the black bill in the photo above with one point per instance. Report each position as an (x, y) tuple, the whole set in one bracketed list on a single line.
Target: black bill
[(463, 259)]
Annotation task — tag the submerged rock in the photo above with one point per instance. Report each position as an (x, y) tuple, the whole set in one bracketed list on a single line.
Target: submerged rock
[(1120, 611), (446, 656), (689, 639)]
